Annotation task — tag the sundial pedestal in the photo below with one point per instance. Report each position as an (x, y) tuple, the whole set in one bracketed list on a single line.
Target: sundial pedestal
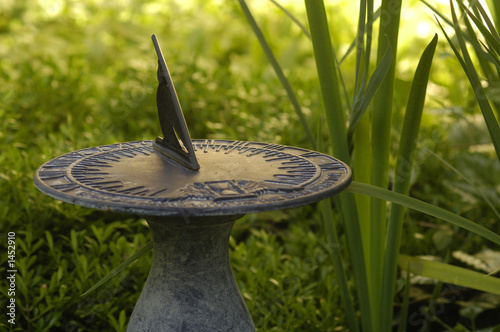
[(191, 286)]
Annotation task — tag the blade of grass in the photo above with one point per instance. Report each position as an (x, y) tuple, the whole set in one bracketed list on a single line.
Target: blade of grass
[(474, 186), (330, 93), (277, 69), (138, 254), (361, 162), (404, 166), (293, 18), (438, 13), (366, 10), (490, 36), (381, 142), (486, 19), (359, 84), (403, 317), (361, 103), (372, 17), (445, 19), (415, 204), (435, 295), (493, 58), (455, 50), (328, 78), (361, 155), (480, 12), (363, 53), (334, 250), (482, 57), (451, 274), (496, 12), (490, 55), (468, 67)]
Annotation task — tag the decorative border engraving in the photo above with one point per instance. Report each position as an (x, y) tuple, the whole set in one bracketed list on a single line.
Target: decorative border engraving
[(276, 177)]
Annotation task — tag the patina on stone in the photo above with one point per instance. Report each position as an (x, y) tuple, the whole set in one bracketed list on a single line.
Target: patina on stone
[(190, 286), (190, 192)]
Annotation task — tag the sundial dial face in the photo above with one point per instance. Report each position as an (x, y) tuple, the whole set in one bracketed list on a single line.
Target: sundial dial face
[(235, 177)]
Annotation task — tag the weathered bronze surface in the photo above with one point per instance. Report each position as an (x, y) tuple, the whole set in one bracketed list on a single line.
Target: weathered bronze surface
[(235, 177), (176, 142)]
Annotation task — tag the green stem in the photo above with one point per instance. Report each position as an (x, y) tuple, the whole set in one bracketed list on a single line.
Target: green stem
[(361, 137), (404, 166), (328, 78), (334, 250), (381, 135), (361, 164), (330, 92)]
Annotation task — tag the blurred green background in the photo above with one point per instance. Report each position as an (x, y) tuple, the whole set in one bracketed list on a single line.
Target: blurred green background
[(75, 74)]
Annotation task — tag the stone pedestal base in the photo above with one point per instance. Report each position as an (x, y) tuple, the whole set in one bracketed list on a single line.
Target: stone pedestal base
[(191, 286)]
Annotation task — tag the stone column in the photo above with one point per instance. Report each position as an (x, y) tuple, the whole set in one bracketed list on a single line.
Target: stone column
[(191, 286)]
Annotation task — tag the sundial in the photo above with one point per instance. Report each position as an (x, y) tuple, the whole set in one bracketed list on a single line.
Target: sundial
[(190, 192)]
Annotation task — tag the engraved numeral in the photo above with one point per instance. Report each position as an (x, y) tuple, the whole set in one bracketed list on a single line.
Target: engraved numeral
[(66, 187)]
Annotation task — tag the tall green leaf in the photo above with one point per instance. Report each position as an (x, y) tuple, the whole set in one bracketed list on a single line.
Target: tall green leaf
[(390, 12), (360, 136), (404, 166), (496, 12), (490, 35), (415, 204), (364, 98), (328, 78), (332, 104), (469, 69), (451, 274), (334, 245)]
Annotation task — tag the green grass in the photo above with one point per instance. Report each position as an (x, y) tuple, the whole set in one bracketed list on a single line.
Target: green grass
[(85, 74)]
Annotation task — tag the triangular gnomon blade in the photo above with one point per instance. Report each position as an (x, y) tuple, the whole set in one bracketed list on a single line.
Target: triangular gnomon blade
[(176, 142)]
